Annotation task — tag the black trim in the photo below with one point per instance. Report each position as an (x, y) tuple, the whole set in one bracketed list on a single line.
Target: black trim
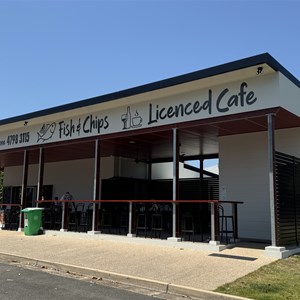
[(264, 58), (184, 158)]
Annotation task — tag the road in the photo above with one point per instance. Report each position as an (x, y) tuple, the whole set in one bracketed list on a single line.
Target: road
[(21, 282)]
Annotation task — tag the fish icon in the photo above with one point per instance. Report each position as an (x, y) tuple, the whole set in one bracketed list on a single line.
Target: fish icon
[(46, 132)]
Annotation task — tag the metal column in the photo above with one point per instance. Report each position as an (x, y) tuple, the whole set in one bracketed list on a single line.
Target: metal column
[(201, 164), (175, 183), (130, 234), (213, 225), (39, 193), (64, 217), (24, 188), (96, 191), (271, 156)]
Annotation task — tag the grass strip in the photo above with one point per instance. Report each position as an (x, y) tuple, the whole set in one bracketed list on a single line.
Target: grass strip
[(276, 281)]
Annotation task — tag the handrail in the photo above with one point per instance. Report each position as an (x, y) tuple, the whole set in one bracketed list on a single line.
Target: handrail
[(213, 203), (139, 201)]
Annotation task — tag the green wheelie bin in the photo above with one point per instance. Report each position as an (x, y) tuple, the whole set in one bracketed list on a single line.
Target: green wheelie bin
[(32, 220)]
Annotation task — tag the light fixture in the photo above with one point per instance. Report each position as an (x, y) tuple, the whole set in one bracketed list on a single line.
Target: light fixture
[(259, 70)]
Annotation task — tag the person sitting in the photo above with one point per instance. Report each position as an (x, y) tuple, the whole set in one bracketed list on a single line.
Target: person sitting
[(68, 196)]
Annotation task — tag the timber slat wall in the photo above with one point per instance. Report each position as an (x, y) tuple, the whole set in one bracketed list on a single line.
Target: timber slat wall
[(131, 188), (288, 199)]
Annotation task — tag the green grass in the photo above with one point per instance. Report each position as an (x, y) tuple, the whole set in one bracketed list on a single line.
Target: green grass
[(276, 281)]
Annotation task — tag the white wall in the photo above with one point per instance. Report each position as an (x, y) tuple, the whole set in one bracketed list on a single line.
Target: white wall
[(289, 95), (243, 164), (243, 161), (13, 175), (133, 169), (288, 141), (75, 176), (165, 171)]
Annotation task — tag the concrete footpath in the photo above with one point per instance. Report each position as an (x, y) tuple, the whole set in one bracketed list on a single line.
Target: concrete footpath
[(176, 267)]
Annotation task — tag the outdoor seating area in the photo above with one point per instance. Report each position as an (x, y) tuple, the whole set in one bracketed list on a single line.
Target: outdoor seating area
[(149, 219), (79, 219)]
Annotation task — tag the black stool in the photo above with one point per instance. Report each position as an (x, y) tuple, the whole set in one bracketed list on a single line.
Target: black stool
[(187, 226), (226, 225), (106, 221), (141, 223), (84, 220), (57, 216), (124, 222), (157, 224)]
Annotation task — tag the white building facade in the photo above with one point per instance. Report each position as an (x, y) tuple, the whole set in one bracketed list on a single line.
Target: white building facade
[(242, 113)]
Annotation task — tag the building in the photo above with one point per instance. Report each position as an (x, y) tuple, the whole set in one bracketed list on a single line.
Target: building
[(131, 147)]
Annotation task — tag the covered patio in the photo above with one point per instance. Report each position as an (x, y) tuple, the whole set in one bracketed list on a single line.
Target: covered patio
[(186, 208)]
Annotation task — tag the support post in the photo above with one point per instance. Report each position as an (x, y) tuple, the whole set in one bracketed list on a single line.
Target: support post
[(175, 185), (39, 193), (213, 222), (64, 217), (274, 250), (130, 234), (201, 164), (235, 221), (96, 191), (24, 188), (272, 195)]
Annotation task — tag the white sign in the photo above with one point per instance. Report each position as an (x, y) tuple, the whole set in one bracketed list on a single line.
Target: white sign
[(187, 107)]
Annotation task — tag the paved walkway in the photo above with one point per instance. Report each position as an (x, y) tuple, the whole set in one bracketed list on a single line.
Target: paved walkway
[(182, 263)]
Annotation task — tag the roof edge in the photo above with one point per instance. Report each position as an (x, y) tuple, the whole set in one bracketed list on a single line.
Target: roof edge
[(264, 58)]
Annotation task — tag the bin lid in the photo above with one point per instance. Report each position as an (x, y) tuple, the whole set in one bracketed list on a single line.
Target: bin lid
[(28, 209)]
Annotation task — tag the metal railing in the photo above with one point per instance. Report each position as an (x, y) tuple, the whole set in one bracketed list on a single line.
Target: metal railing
[(214, 217)]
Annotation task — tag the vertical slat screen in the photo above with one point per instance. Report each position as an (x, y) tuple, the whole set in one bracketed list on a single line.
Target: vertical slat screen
[(288, 200)]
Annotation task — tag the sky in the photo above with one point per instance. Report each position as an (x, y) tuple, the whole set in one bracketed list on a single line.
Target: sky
[(57, 52)]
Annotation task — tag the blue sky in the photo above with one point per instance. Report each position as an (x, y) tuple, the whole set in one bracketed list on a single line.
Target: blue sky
[(56, 52)]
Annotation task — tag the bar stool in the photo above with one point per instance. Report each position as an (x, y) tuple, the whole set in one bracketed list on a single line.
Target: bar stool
[(226, 225), (48, 218), (157, 223), (141, 223), (106, 221), (7, 218), (72, 220), (84, 218), (187, 226), (57, 215), (13, 221), (124, 222)]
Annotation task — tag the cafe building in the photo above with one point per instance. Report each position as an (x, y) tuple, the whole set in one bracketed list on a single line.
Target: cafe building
[(134, 160)]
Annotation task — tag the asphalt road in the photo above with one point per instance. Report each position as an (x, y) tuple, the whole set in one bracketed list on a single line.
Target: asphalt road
[(20, 282)]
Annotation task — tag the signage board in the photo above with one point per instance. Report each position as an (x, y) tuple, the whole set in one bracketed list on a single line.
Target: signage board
[(235, 98)]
